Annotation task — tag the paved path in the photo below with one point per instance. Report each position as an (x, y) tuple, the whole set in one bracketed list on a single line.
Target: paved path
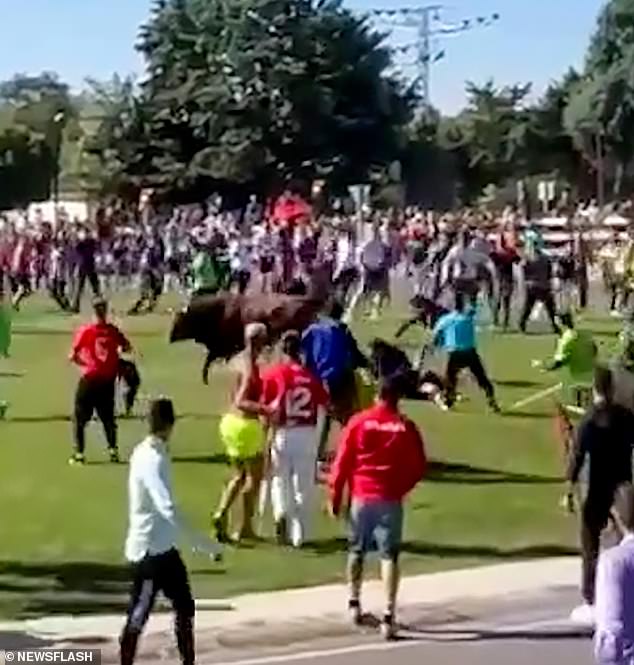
[(492, 612), (522, 630)]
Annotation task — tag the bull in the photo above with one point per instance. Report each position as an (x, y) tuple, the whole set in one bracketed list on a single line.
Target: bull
[(217, 321)]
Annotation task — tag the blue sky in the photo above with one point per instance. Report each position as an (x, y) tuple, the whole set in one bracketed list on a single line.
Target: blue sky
[(535, 40)]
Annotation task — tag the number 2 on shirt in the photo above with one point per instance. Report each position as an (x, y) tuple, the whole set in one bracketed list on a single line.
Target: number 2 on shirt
[(299, 403)]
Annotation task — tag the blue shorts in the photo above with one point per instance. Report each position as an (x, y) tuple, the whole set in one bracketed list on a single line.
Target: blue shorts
[(376, 525)]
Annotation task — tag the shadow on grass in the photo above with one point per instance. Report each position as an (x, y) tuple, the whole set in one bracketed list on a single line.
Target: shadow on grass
[(61, 332), (219, 458), (444, 550), (69, 588), (51, 418), (528, 415), (447, 472), (11, 375), (517, 384)]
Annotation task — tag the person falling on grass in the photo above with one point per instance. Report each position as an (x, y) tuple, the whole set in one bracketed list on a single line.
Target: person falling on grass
[(154, 526), (604, 440), (95, 351), (456, 334), (243, 434), (380, 459), (576, 351)]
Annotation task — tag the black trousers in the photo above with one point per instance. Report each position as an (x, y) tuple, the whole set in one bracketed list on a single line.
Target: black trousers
[(150, 291), (469, 359), (594, 518), (82, 277), (129, 374), (534, 295), (164, 572), (504, 300), (57, 289), (92, 395)]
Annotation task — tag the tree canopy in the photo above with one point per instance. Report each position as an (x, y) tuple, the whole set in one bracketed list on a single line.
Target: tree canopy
[(241, 95), (251, 92)]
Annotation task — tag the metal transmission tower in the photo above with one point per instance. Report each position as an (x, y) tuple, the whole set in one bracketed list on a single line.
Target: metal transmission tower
[(428, 21)]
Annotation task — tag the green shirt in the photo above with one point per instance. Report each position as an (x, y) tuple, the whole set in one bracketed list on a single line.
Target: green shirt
[(577, 351), (204, 272)]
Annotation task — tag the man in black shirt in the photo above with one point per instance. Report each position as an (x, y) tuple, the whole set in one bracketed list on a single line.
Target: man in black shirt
[(604, 440), (537, 278), (85, 251)]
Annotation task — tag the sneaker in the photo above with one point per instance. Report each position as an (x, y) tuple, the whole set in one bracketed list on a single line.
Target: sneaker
[(494, 406), (77, 459), (219, 528), (388, 628), (354, 612), (583, 615), (114, 456)]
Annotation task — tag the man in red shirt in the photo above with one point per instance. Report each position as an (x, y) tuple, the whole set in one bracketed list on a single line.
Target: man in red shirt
[(95, 351), (300, 419), (380, 459)]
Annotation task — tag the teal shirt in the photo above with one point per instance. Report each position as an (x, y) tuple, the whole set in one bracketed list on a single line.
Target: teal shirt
[(456, 331)]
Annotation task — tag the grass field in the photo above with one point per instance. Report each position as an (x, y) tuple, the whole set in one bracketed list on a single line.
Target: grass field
[(492, 495)]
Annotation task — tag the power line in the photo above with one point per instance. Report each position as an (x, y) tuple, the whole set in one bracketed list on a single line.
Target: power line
[(429, 23)]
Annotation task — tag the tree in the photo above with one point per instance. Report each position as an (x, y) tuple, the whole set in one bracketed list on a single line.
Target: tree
[(262, 91), (552, 149), (489, 139), (34, 112), (601, 110)]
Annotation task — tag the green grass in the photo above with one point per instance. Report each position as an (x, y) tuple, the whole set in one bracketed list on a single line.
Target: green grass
[(492, 495)]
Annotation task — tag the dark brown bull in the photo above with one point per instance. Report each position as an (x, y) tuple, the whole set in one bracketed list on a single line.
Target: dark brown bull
[(217, 322)]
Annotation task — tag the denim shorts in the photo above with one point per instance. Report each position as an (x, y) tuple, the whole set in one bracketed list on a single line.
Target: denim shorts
[(376, 526)]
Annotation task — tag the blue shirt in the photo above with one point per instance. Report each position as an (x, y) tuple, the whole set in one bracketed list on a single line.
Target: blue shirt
[(329, 349), (456, 331)]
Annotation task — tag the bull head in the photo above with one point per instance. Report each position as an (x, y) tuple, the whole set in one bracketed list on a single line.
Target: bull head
[(182, 328)]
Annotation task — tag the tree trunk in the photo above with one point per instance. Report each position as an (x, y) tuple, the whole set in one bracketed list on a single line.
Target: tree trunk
[(618, 178)]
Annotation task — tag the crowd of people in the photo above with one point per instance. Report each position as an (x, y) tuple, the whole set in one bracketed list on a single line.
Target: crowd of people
[(201, 250)]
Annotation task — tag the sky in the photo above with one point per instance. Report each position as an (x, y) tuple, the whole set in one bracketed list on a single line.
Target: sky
[(533, 41)]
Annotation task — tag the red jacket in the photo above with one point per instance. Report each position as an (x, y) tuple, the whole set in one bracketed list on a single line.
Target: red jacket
[(381, 456)]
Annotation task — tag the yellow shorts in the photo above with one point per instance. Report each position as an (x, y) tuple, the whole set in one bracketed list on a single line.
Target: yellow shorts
[(366, 389), (243, 438)]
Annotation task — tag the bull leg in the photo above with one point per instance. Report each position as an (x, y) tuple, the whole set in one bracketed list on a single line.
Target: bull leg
[(205, 373)]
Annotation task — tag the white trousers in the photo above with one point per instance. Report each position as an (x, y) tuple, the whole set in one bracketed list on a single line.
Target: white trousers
[(293, 459)]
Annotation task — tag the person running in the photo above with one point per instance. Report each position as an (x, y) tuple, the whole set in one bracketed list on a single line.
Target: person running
[(380, 458), (204, 272), (576, 352), (537, 270), (243, 435), (374, 261), (95, 351), (154, 525), (85, 252), (456, 334), (295, 441), (604, 440)]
